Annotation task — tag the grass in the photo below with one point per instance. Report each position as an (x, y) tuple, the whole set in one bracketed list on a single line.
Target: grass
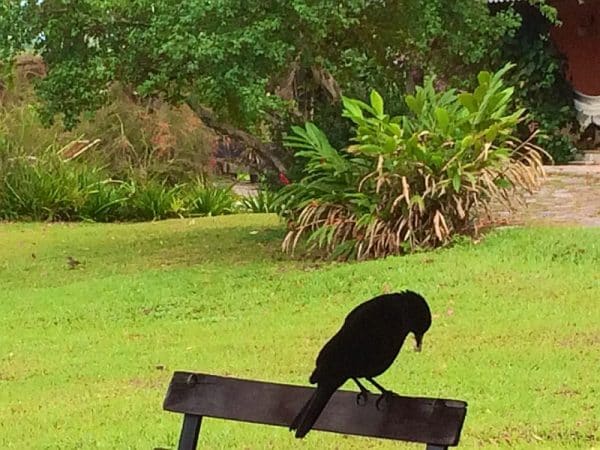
[(86, 354)]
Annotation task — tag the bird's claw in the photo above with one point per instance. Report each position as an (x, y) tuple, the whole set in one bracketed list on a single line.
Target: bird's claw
[(384, 397), (361, 398)]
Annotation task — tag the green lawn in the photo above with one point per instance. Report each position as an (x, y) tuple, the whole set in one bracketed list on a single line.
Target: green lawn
[(516, 330)]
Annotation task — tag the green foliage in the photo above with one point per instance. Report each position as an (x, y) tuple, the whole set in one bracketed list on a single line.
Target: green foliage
[(15, 30), (205, 200), (151, 200), (106, 201), (414, 180), (252, 61), (542, 89), (127, 136), (20, 125), (125, 170), (43, 188), (453, 40), (46, 187), (265, 201)]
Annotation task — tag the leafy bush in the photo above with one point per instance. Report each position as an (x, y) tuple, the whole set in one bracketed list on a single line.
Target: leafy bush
[(151, 200), (410, 181), (206, 200), (137, 163), (128, 135), (265, 201), (542, 86), (149, 137), (43, 187), (105, 201), (48, 187)]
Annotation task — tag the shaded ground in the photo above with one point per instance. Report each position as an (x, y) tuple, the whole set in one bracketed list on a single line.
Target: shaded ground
[(570, 195)]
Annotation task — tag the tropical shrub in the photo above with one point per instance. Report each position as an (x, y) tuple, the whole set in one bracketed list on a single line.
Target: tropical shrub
[(151, 137), (48, 187), (205, 200), (410, 181), (106, 201), (42, 187), (265, 201), (542, 86), (148, 138), (151, 199)]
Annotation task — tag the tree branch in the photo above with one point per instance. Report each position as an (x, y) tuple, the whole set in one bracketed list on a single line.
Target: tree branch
[(266, 150)]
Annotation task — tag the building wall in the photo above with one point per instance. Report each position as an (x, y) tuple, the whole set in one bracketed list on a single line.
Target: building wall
[(579, 39)]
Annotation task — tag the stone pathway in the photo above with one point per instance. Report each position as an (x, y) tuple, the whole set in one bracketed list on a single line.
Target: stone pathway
[(245, 189), (570, 195)]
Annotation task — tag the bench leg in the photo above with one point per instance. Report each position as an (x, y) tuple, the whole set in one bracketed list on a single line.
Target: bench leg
[(436, 447), (188, 440)]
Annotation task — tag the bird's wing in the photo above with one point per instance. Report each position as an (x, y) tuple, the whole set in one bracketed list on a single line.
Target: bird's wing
[(365, 345)]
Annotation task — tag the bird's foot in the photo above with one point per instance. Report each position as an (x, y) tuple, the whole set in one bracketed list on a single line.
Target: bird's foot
[(383, 400), (361, 398)]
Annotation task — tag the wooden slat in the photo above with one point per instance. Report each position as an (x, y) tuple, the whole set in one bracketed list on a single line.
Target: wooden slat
[(427, 420)]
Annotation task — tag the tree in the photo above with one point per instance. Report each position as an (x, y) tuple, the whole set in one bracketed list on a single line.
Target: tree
[(258, 64)]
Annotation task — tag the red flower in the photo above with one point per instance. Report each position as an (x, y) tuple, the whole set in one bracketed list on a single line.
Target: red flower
[(283, 178)]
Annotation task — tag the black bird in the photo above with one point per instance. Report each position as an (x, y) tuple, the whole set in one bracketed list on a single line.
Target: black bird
[(72, 262), (365, 346)]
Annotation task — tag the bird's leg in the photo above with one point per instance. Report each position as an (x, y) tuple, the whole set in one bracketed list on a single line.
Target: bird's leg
[(385, 394), (361, 398), (378, 386)]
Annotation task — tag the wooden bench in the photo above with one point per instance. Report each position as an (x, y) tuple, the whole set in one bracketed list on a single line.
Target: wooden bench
[(435, 422)]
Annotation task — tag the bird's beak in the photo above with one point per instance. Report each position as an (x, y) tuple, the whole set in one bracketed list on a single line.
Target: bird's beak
[(418, 342)]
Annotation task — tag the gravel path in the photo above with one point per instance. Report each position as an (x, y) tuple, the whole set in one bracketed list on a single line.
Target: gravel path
[(570, 195)]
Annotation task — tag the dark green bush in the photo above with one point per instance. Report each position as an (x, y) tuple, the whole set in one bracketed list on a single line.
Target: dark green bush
[(150, 199), (43, 187), (264, 201), (105, 201), (542, 88), (47, 187), (203, 200)]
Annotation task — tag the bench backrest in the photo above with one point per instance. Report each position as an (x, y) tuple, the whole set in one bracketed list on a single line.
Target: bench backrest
[(437, 422)]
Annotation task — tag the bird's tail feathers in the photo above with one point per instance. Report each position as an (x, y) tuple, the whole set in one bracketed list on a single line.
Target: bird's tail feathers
[(311, 411), (296, 422)]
